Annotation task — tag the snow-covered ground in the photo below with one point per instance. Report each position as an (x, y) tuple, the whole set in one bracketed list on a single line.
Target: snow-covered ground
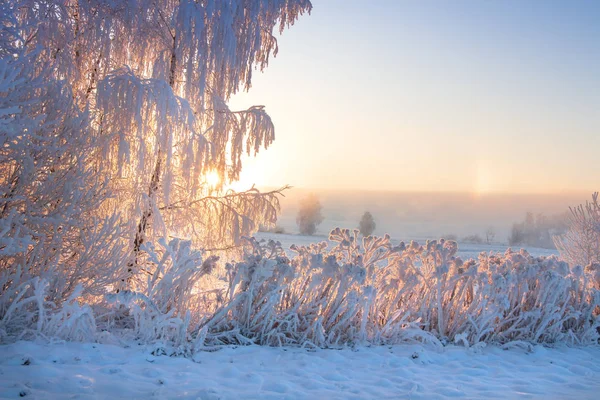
[(465, 250), (98, 371)]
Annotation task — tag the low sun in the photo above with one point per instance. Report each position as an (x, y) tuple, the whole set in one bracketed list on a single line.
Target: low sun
[(213, 179)]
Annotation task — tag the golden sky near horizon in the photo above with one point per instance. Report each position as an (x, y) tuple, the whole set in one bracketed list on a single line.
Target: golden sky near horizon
[(410, 96)]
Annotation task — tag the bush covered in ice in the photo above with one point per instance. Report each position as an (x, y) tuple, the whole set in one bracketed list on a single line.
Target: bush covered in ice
[(357, 292), (374, 292)]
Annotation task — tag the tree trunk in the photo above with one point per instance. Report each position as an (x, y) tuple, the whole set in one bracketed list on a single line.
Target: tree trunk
[(76, 19), (140, 234), (142, 226)]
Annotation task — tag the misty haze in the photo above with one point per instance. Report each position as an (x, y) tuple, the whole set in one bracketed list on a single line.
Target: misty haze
[(427, 215)]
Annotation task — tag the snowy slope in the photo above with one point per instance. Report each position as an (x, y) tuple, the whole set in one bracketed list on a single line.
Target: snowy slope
[(96, 371)]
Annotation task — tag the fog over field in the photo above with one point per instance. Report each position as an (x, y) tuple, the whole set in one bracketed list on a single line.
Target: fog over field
[(420, 215)]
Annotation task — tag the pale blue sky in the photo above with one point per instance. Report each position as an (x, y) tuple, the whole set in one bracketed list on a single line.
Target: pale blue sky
[(434, 95)]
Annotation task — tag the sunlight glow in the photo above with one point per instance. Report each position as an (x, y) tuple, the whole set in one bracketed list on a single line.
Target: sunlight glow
[(256, 172), (212, 179)]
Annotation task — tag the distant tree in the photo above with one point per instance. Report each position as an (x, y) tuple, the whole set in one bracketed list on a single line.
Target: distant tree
[(580, 245), (476, 239), (272, 229), (367, 224), (309, 215), (517, 235), (278, 229), (490, 234), (538, 230)]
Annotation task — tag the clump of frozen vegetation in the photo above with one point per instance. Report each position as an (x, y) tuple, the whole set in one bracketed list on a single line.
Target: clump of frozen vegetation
[(357, 292), (374, 292)]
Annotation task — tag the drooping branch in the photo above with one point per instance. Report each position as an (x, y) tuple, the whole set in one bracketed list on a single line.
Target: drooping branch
[(155, 181), (227, 217)]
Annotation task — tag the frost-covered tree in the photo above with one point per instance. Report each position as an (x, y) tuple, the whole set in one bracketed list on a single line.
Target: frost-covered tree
[(113, 114), (367, 224), (580, 245), (309, 215), (52, 241), (154, 78)]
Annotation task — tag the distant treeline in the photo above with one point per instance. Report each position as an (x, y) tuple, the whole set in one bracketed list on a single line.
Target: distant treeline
[(538, 230)]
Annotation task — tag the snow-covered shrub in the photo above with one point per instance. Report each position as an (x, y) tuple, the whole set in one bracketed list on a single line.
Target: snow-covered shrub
[(165, 300), (73, 321), (27, 313), (375, 292), (580, 245)]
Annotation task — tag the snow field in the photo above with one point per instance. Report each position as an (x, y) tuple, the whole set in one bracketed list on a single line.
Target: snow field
[(99, 371)]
